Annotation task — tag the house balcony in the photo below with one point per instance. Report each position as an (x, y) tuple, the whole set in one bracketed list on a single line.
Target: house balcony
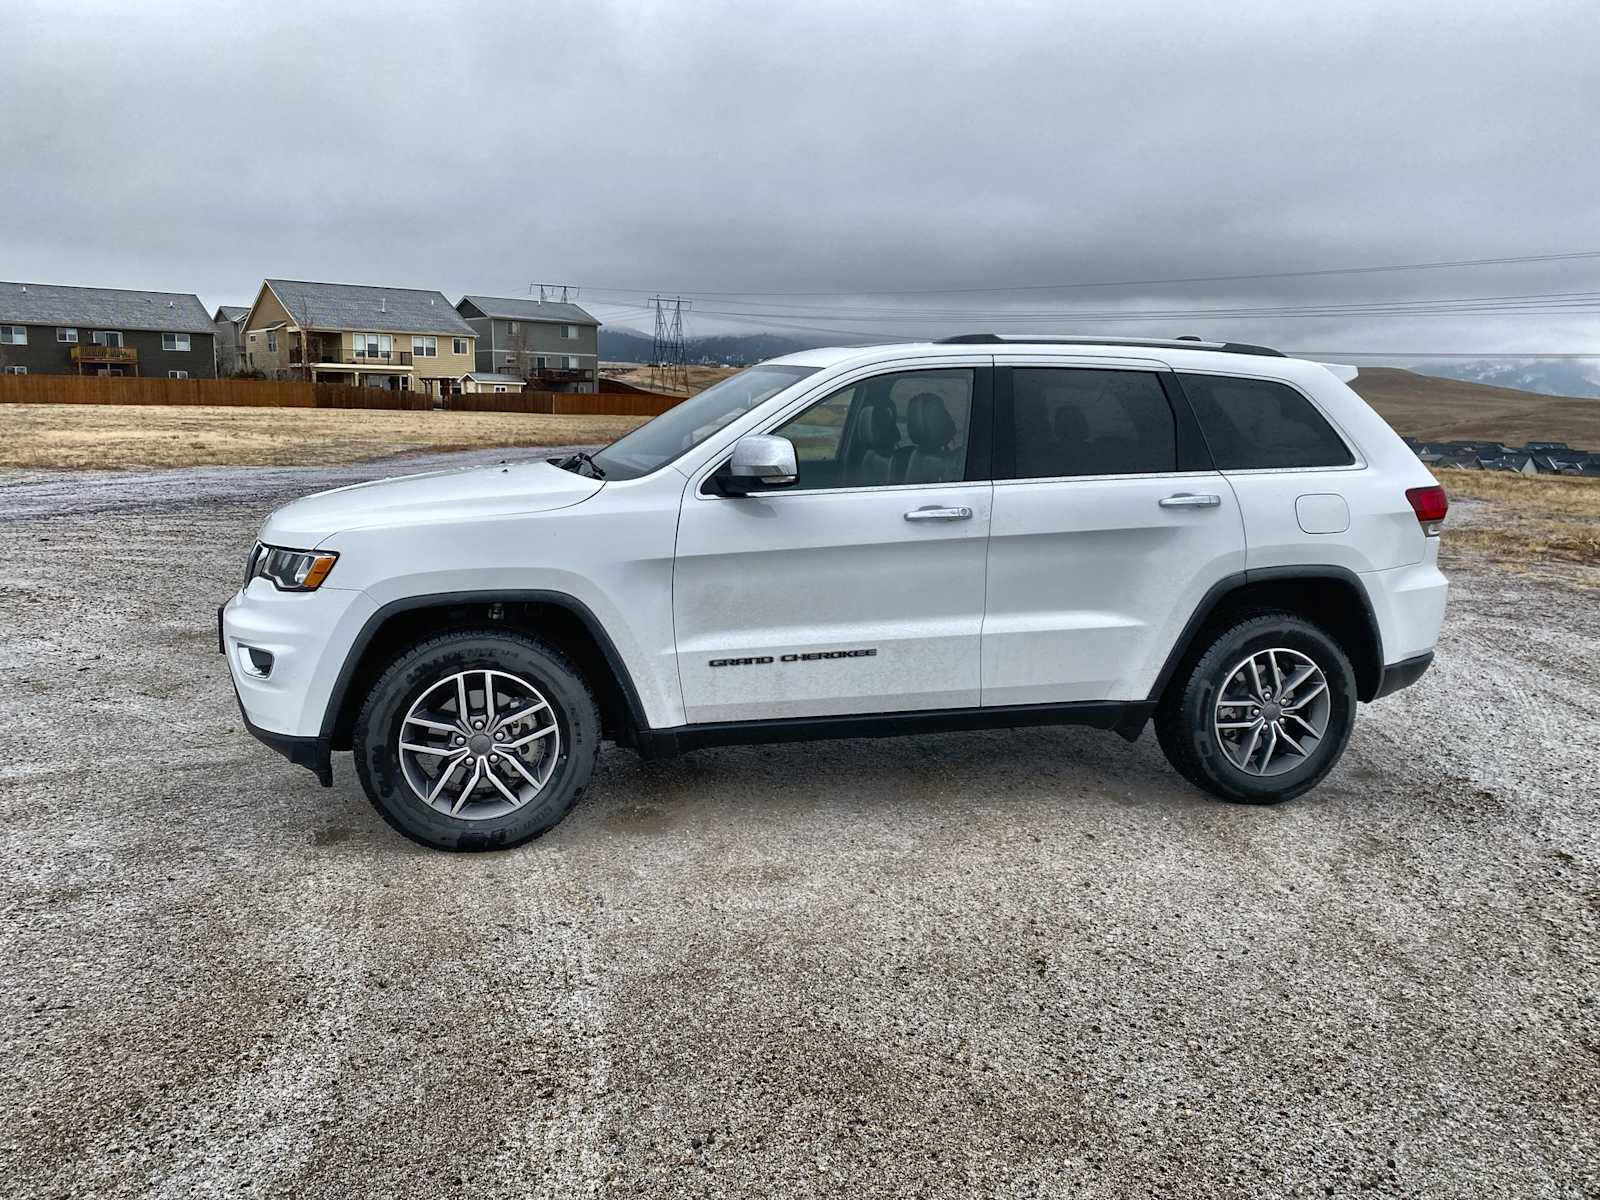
[(387, 360), (98, 355), (562, 375)]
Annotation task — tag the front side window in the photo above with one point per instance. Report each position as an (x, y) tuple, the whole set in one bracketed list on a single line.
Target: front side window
[(174, 341), (66, 335), (902, 428), (1071, 421), (1255, 424), (656, 443), (13, 335), (425, 347)]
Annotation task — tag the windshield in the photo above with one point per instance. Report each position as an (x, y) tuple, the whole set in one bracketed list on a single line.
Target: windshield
[(656, 443)]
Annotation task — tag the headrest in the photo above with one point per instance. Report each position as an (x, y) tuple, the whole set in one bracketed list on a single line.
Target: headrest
[(880, 430), (929, 423)]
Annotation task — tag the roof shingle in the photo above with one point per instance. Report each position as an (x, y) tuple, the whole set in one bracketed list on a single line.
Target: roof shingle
[(355, 306), (506, 309), (103, 308)]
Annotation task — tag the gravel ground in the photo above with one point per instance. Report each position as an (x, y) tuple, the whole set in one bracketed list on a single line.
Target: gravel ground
[(1017, 964)]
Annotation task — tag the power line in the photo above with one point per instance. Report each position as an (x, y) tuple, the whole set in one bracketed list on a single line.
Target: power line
[(1323, 272)]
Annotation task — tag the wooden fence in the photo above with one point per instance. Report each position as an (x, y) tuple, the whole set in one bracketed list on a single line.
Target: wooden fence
[(227, 393), (650, 404)]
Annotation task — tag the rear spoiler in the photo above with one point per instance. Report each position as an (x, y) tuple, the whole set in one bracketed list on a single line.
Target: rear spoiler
[(1343, 372)]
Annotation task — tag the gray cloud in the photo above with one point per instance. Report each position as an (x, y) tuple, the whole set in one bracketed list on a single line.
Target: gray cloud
[(838, 147)]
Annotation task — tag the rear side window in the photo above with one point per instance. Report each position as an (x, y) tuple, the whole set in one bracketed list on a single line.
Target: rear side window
[(1071, 421), (1252, 424)]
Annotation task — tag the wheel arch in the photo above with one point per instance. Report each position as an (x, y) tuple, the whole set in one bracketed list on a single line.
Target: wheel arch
[(556, 616), (1332, 597)]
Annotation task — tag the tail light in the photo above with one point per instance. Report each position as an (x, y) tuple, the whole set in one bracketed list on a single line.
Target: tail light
[(1430, 504)]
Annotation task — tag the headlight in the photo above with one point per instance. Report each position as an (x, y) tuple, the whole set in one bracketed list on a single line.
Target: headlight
[(290, 570)]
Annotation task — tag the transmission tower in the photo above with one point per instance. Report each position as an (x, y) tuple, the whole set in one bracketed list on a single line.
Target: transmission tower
[(667, 355), (565, 292)]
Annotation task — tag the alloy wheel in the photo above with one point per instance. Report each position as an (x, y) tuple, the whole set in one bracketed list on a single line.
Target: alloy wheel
[(479, 744), (1272, 712)]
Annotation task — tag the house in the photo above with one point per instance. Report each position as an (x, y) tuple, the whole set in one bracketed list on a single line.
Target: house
[(403, 339), (228, 321), (53, 329), (554, 346), (490, 381)]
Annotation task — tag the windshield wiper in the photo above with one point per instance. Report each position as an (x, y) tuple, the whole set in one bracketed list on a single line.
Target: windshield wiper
[(581, 459)]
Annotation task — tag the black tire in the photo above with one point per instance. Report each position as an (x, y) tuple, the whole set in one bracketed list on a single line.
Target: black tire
[(1184, 717), (376, 737)]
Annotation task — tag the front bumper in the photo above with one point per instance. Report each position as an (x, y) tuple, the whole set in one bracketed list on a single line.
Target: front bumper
[(308, 635)]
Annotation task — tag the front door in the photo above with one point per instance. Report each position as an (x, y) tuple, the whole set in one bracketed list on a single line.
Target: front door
[(859, 589), (1110, 524)]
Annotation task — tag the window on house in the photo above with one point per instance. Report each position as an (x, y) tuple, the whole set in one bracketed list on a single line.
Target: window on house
[(373, 345), (499, 387), (177, 374), (538, 362), (252, 339), (460, 345), (175, 341), (66, 335), (106, 337), (511, 326), (425, 347), (569, 331), (16, 370), (13, 335), (571, 362), (272, 342)]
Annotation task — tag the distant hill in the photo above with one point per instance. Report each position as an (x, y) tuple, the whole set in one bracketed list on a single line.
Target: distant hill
[(1431, 408), (1550, 376)]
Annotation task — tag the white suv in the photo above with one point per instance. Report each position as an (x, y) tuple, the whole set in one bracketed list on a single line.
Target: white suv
[(977, 533)]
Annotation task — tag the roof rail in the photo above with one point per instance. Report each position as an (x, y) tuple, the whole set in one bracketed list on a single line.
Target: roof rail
[(1180, 343)]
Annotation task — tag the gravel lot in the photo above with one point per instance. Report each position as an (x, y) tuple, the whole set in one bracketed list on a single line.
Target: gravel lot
[(1018, 964)]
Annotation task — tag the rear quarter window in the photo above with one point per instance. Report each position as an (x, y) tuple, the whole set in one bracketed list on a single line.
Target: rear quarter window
[(1253, 424)]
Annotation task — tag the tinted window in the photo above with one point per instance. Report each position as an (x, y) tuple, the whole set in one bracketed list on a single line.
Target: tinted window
[(656, 443), (1078, 422), (1257, 423), (906, 427)]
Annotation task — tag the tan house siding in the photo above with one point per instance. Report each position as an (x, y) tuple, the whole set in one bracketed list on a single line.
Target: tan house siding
[(427, 371)]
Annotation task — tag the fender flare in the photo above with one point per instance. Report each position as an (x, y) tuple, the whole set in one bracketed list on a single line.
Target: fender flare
[(358, 647), (1228, 584)]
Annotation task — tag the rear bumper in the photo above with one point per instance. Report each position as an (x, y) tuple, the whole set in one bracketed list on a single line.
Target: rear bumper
[(1402, 674)]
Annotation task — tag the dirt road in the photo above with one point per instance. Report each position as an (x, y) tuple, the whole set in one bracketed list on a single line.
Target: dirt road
[(1012, 964)]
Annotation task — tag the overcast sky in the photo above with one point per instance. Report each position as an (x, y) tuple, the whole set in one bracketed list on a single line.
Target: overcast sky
[(839, 148)]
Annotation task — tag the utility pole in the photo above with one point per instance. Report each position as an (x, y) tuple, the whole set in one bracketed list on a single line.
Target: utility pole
[(667, 355)]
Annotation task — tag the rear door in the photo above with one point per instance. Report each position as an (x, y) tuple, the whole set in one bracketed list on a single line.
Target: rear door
[(860, 588), (1109, 526)]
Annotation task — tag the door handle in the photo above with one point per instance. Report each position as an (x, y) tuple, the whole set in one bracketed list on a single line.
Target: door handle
[(932, 512), (1190, 500)]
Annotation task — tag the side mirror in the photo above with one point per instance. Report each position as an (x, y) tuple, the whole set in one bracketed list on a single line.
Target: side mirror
[(759, 461)]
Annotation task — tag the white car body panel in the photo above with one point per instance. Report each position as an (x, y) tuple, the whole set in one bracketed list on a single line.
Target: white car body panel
[(1055, 591)]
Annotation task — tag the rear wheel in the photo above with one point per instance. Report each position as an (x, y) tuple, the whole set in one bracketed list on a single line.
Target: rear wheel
[(1263, 714), (477, 740)]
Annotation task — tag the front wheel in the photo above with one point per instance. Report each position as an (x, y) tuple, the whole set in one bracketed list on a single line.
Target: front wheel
[(1263, 714), (477, 740)]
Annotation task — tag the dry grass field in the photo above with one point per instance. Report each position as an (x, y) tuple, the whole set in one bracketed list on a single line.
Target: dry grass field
[(700, 378), (117, 437), (1525, 517), (1431, 408)]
